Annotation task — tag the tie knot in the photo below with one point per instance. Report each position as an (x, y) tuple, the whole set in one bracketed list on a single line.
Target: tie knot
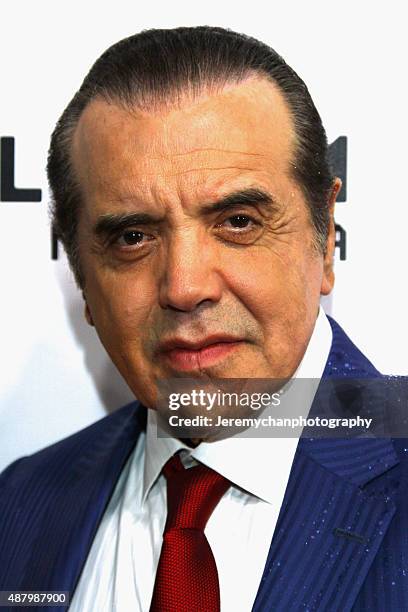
[(192, 494)]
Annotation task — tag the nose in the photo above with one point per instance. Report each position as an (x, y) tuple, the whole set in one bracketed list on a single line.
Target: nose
[(190, 276)]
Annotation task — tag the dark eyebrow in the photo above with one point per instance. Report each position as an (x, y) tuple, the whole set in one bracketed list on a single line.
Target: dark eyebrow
[(110, 223), (250, 196)]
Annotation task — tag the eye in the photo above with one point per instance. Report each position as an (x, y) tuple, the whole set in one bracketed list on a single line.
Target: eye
[(240, 222), (239, 229), (132, 238)]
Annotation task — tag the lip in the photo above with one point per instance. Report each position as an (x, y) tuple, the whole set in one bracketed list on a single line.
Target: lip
[(180, 343), (185, 355)]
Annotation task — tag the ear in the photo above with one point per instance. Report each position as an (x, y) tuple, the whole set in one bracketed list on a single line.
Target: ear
[(328, 272), (87, 312)]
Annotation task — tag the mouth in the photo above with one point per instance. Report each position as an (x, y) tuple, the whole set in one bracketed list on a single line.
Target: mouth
[(185, 356)]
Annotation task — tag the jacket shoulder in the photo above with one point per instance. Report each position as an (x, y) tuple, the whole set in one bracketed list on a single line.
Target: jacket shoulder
[(346, 359), (63, 455)]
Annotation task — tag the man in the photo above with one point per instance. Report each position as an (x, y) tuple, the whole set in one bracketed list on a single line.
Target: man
[(193, 196)]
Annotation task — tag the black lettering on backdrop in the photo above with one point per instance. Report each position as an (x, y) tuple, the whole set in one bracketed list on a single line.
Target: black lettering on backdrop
[(340, 242), (8, 191), (54, 244), (338, 163)]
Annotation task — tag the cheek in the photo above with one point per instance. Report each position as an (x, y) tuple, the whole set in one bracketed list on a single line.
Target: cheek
[(275, 288), (120, 310)]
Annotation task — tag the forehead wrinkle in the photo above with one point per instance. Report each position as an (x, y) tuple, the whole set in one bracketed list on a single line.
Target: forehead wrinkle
[(212, 149), (200, 169)]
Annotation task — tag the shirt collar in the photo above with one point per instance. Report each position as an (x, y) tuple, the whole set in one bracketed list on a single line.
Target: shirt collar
[(243, 460), (158, 451)]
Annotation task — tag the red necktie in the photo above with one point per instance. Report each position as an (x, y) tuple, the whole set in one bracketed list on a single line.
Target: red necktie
[(187, 577)]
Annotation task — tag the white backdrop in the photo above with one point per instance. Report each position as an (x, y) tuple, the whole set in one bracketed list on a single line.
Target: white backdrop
[(55, 377)]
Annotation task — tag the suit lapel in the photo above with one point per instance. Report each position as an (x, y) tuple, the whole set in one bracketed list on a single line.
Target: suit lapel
[(337, 508), (329, 529), (74, 513)]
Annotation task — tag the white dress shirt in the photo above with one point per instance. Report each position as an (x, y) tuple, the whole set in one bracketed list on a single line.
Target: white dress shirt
[(120, 569)]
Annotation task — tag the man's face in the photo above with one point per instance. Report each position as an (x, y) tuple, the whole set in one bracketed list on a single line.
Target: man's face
[(195, 242)]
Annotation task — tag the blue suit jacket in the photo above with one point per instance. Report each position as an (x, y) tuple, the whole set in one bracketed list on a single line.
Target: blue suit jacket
[(340, 544)]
